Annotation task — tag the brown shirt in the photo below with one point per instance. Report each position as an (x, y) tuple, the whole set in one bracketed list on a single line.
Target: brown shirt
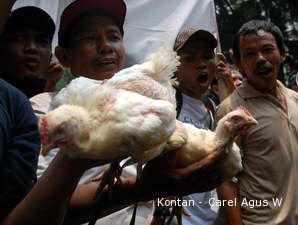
[(270, 156)]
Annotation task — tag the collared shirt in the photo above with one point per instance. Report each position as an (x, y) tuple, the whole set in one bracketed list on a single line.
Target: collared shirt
[(268, 184)]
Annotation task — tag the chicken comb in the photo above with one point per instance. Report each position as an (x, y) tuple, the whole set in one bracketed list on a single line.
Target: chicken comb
[(244, 109)]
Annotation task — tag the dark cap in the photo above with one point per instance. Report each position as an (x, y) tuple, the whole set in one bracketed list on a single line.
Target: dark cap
[(30, 17), (116, 9), (193, 34)]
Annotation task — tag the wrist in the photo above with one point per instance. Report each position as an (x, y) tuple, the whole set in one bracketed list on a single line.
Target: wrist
[(71, 164)]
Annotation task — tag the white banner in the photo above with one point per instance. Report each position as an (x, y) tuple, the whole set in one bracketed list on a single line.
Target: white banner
[(149, 23)]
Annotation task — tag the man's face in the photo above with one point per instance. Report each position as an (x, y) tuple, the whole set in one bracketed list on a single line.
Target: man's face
[(236, 77), (260, 60), (197, 68), (25, 54), (96, 48)]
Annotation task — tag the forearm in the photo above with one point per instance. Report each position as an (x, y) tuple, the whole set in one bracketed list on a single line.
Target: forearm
[(153, 184), (228, 191), (48, 200), (5, 8), (82, 202)]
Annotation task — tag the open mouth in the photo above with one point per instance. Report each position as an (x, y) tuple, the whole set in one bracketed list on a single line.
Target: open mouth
[(105, 62), (202, 78), (31, 63), (263, 71)]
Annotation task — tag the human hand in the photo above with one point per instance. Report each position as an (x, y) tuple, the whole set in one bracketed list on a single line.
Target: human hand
[(222, 68), (200, 176), (224, 75), (85, 163), (55, 72)]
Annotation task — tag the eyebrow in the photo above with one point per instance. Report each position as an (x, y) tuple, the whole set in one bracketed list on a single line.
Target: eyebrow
[(110, 29), (113, 29), (269, 45), (248, 49)]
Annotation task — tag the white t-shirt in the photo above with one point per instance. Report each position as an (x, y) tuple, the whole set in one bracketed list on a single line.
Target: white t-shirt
[(194, 111)]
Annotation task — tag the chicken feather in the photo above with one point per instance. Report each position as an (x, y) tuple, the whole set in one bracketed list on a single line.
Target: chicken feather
[(201, 142), (132, 114), (119, 123)]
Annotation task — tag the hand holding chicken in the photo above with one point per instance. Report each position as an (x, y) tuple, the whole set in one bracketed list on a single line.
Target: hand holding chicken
[(188, 144)]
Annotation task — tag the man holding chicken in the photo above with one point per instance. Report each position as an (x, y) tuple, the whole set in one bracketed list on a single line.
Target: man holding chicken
[(91, 44), (49, 199)]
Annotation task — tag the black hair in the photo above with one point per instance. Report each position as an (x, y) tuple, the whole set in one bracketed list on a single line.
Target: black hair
[(252, 27)]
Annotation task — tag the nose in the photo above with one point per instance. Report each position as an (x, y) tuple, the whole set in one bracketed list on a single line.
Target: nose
[(237, 82), (260, 58), (104, 46), (30, 46), (201, 64)]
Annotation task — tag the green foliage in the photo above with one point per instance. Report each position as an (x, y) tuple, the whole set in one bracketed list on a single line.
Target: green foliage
[(64, 80)]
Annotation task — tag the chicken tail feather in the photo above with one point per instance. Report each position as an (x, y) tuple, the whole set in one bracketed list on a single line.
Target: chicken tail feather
[(165, 62)]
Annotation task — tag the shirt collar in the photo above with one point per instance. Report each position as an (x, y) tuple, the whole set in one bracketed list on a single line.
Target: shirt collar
[(246, 90)]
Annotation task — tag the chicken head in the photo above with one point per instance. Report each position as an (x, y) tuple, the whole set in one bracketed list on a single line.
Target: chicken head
[(60, 128)]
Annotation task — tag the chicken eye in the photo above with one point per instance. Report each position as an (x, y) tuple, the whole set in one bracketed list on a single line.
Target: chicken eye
[(236, 119)]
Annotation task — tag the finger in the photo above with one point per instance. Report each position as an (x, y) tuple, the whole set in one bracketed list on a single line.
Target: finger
[(221, 57), (194, 167), (55, 69), (222, 74), (220, 71), (221, 64)]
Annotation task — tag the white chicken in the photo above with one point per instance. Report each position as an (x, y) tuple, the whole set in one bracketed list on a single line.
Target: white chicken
[(132, 114), (201, 142)]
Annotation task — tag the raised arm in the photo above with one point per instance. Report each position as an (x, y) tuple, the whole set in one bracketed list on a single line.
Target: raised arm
[(223, 74)]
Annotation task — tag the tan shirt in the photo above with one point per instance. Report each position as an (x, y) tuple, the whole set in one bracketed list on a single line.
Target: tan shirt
[(270, 157)]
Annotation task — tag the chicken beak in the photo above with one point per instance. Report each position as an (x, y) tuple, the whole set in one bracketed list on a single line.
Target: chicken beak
[(252, 121), (47, 148)]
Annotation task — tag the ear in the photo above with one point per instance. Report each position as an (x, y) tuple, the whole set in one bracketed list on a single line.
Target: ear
[(62, 55)]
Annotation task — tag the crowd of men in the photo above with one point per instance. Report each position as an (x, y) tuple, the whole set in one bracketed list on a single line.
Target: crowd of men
[(91, 30)]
